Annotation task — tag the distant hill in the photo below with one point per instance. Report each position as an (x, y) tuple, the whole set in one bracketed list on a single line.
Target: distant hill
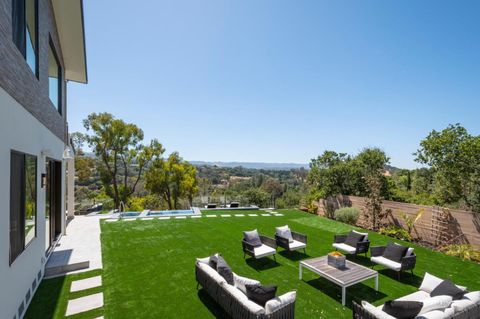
[(253, 165)]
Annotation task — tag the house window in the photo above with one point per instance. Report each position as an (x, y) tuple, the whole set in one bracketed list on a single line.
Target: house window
[(23, 202), (25, 30), (54, 78)]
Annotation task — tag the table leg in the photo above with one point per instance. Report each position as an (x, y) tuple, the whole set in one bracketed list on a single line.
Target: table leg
[(344, 295), (376, 283), (300, 271)]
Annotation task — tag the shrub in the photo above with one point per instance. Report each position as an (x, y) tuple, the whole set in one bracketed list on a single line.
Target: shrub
[(396, 232), (465, 252), (136, 204), (347, 215)]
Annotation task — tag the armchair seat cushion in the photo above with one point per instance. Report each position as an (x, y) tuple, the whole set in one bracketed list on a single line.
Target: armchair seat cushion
[(296, 245), (387, 263), (263, 251), (344, 247)]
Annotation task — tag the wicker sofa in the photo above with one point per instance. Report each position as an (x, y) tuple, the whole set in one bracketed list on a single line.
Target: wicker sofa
[(466, 308), (233, 301)]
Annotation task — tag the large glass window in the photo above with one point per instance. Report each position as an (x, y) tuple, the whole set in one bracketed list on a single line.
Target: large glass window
[(54, 78), (23, 202), (25, 30)]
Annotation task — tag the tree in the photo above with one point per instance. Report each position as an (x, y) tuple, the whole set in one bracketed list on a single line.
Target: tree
[(373, 200), (454, 157), (172, 179), (123, 157)]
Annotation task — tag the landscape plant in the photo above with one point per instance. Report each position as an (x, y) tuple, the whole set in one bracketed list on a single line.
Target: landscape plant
[(348, 215), (465, 252), (396, 232)]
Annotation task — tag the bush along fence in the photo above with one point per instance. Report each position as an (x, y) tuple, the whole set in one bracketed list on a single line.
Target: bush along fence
[(432, 225)]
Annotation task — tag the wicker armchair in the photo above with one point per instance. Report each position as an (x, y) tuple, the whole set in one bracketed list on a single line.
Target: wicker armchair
[(406, 263), (268, 248), (361, 247), (299, 242)]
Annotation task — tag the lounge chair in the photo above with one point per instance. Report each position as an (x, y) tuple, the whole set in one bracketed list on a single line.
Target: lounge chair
[(353, 243), (394, 256), (258, 246), (290, 240)]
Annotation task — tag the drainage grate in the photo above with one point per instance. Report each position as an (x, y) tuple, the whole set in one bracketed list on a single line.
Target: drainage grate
[(27, 296), (34, 284), (39, 275), (20, 309)]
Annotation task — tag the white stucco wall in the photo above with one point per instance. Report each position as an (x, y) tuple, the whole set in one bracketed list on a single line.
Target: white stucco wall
[(20, 131)]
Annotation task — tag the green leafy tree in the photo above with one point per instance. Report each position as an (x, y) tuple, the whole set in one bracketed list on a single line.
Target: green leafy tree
[(454, 157), (123, 158), (172, 179)]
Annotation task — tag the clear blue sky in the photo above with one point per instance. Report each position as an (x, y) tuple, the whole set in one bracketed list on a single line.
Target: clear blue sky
[(281, 81)]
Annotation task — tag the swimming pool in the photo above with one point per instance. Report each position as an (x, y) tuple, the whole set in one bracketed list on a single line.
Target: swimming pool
[(171, 212), (129, 214)]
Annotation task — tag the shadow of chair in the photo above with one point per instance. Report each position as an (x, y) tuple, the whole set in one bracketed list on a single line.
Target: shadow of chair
[(295, 255), (262, 263)]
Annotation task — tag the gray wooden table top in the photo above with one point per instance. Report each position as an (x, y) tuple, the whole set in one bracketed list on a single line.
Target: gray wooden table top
[(352, 272)]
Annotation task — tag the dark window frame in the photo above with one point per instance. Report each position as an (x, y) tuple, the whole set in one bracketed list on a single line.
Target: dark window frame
[(22, 47), (21, 232), (60, 76)]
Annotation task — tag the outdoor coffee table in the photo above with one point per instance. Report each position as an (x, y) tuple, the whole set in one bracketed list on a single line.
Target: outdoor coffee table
[(350, 275)]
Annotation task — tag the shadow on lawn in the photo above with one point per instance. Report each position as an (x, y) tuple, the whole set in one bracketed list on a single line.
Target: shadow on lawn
[(294, 255), (262, 264), (211, 305), (46, 299), (357, 292)]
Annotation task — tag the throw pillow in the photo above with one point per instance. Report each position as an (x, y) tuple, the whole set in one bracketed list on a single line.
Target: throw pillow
[(395, 252), (402, 309), (252, 237), (448, 288), (436, 303), (284, 232), (240, 282), (212, 261), (365, 235), (224, 270), (430, 282), (278, 302), (353, 238), (260, 294), (377, 312)]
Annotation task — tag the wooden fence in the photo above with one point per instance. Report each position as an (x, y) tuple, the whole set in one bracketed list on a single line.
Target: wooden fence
[(437, 226)]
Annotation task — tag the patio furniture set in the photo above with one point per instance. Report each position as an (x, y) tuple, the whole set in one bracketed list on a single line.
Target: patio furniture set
[(242, 297)]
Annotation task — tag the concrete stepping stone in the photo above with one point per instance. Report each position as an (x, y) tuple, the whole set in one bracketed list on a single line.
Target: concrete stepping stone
[(130, 219), (87, 283), (226, 215), (111, 220), (266, 215), (147, 218), (253, 215), (210, 216), (278, 215), (84, 304), (164, 217), (239, 215), (180, 217), (196, 216)]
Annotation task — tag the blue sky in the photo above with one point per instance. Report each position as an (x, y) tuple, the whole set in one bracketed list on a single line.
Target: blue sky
[(282, 81)]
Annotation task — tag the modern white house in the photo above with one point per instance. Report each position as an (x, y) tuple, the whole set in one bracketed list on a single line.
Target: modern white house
[(42, 47)]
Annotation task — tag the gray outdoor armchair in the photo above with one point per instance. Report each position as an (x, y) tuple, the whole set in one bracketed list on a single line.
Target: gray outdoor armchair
[(407, 262), (268, 247)]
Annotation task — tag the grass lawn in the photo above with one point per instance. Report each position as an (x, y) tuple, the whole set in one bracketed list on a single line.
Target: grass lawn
[(149, 267)]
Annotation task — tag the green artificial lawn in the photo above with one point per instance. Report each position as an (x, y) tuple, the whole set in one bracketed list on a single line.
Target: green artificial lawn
[(149, 268)]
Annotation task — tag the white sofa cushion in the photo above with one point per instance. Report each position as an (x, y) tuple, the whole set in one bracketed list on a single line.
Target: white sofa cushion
[(296, 245), (430, 282), (242, 298), (462, 304), (416, 296), (378, 313), (212, 273), (436, 303), (386, 262), (240, 282), (263, 251), (203, 260), (344, 247), (473, 296), (437, 314), (365, 238), (278, 302)]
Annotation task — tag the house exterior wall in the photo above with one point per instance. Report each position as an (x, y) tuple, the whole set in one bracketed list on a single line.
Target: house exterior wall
[(29, 123), (22, 132), (19, 81)]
